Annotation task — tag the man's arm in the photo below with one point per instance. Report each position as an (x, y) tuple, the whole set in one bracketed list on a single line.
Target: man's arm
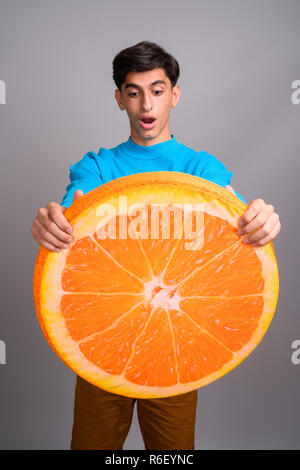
[(259, 220)]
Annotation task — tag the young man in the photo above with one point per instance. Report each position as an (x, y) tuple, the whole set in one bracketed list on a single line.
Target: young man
[(146, 77)]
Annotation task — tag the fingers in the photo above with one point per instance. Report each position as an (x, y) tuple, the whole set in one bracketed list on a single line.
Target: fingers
[(55, 214), (253, 209), (46, 238), (50, 226), (270, 236), (78, 193), (35, 233), (51, 229), (230, 188), (266, 231), (49, 246), (258, 221)]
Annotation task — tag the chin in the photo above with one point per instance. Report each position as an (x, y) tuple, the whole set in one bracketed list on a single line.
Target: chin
[(148, 137), (150, 134)]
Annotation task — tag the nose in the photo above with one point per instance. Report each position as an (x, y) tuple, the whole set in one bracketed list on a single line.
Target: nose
[(147, 102)]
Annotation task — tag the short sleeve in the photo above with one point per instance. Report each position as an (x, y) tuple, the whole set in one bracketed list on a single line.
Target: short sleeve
[(217, 172), (84, 175)]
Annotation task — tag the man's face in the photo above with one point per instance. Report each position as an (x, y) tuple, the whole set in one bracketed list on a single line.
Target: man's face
[(148, 94)]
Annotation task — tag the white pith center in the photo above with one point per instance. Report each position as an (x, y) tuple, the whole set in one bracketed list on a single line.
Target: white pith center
[(159, 294)]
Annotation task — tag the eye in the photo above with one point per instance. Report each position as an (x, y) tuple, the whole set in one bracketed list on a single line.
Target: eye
[(135, 93)]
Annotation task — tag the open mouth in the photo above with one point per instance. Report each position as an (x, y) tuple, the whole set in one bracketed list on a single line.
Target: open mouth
[(147, 123)]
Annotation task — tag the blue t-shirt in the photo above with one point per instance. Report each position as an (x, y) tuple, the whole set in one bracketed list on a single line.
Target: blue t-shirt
[(127, 158)]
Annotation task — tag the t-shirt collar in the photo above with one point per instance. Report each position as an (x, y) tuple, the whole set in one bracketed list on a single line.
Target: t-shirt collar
[(151, 151)]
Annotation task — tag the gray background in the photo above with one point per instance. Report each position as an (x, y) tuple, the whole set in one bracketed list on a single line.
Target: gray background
[(238, 60)]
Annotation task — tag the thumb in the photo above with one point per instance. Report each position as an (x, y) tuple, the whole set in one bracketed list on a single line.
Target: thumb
[(78, 193), (230, 188)]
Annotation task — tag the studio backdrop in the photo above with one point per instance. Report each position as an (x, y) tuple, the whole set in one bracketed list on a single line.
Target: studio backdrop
[(240, 101)]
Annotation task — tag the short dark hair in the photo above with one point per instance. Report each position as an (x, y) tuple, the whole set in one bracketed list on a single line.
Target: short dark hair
[(141, 57)]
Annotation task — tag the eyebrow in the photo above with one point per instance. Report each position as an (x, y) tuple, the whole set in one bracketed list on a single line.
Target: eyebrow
[(134, 85)]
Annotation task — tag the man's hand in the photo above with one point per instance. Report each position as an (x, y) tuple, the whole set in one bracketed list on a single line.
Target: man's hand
[(261, 218), (50, 228)]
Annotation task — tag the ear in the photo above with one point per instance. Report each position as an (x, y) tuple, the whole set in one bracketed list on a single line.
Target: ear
[(119, 100), (175, 96)]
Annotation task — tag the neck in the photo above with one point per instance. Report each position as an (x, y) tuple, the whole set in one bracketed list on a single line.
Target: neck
[(150, 138)]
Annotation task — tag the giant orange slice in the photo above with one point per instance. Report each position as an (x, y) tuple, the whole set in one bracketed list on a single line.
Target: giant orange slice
[(157, 295)]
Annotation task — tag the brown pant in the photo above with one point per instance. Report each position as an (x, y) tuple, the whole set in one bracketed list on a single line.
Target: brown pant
[(102, 419)]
